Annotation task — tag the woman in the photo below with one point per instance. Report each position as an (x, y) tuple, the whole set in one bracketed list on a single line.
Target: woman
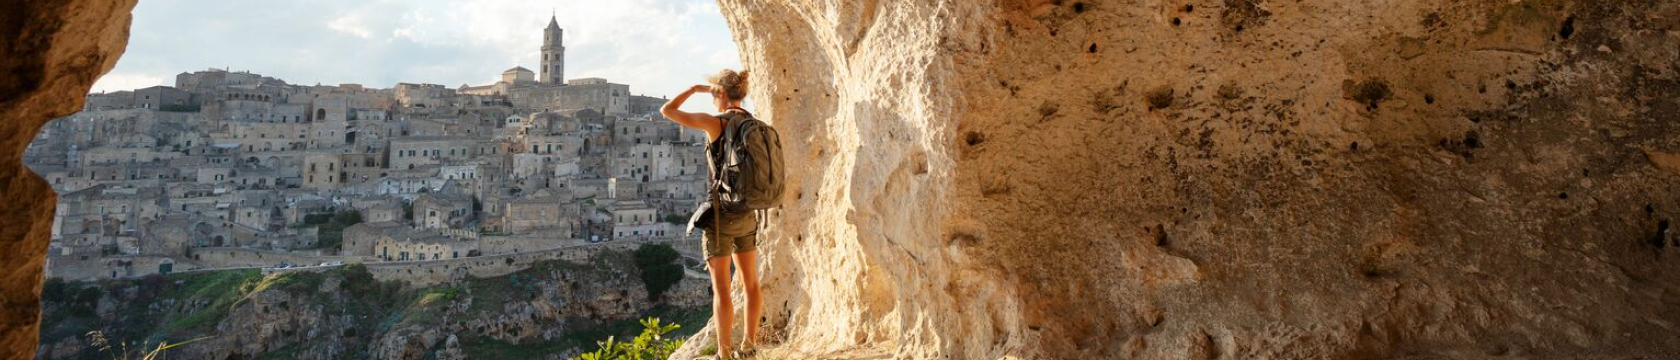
[(734, 234)]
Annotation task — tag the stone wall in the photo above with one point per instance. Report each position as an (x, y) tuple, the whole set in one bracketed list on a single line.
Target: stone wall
[(242, 257), (431, 272)]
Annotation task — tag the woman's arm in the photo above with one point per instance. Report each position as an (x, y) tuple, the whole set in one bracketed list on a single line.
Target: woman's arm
[(704, 122)]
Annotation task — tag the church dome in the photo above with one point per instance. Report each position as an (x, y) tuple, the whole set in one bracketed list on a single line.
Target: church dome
[(518, 69)]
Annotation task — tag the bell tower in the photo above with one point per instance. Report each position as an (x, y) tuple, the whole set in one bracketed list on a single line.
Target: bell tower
[(553, 54)]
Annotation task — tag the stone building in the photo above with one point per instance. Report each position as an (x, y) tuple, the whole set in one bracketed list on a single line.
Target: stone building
[(164, 98), (542, 211), (597, 94), (442, 210), (553, 53), (634, 219), (421, 247), (411, 152), (361, 239)]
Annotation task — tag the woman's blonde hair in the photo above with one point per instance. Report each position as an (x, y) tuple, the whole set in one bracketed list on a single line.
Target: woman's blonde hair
[(732, 83)]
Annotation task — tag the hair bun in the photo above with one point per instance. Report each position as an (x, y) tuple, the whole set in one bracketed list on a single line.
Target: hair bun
[(732, 83)]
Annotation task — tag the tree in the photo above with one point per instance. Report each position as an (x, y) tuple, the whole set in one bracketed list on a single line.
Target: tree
[(657, 263)]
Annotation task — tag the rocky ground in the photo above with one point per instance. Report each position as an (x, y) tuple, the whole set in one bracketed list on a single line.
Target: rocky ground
[(553, 310)]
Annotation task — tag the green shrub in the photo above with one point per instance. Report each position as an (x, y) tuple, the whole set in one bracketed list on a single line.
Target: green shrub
[(650, 345), (331, 227), (657, 263)]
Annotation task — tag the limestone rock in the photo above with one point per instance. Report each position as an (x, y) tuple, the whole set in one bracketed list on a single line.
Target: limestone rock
[(1253, 179), (978, 180), (51, 52)]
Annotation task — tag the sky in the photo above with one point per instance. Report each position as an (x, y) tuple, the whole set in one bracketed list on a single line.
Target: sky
[(658, 47)]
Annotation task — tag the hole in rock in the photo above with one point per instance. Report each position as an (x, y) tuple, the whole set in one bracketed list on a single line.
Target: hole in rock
[(1429, 99), (1661, 239), (1092, 49), (1563, 196), (974, 138), (1159, 98), (1354, 146), (1472, 140), (1189, 7), (1371, 92), (1161, 236), (1176, 21), (1079, 7), (1568, 28)]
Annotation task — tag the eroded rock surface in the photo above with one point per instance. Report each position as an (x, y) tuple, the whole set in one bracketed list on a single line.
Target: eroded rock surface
[(1255, 179), (1150, 179), (51, 51)]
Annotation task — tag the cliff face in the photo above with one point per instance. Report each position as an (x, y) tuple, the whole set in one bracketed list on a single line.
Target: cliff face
[(551, 310), (1215, 179)]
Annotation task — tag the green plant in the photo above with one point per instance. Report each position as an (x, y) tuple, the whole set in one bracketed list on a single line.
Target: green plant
[(659, 269), (330, 227), (651, 344)]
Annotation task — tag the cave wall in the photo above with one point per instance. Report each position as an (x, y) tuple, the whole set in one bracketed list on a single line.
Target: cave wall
[(1207, 179), (1148, 179), (51, 51)]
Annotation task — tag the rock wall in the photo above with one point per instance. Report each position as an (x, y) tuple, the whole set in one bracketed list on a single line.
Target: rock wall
[(1148, 179), (1205, 179), (51, 51)]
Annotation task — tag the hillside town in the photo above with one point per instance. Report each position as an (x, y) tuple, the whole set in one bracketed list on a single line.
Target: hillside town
[(232, 169)]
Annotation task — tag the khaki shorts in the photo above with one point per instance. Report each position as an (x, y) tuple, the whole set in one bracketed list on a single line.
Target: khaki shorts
[(716, 246)]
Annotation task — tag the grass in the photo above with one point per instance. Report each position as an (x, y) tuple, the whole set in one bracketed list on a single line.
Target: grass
[(222, 289), (428, 306)]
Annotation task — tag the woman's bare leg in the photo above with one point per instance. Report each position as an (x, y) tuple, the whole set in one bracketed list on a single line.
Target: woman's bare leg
[(748, 263), (723, 311)]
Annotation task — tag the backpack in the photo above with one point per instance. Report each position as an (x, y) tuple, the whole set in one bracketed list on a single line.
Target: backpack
[(746, 163)]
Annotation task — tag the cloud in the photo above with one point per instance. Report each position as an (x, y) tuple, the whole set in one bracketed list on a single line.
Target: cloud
[(659, 47)]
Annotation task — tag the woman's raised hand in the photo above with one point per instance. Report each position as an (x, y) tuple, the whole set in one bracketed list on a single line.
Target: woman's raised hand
[(701, 89)]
